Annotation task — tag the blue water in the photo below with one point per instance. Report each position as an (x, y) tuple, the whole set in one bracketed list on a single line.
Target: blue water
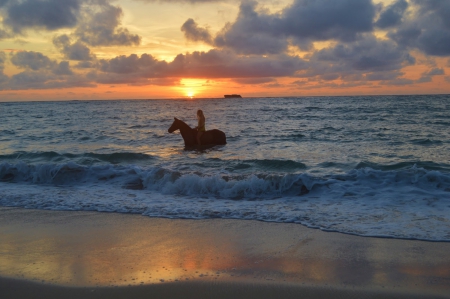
[(370, 166)]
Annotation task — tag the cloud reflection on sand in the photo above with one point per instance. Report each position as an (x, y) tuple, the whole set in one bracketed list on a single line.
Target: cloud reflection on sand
[(100, 249)]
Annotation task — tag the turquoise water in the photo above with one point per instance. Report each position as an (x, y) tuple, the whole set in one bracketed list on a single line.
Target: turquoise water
[(372, 166)]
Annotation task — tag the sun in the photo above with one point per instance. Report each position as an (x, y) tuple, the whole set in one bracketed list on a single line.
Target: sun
[(190, 94)]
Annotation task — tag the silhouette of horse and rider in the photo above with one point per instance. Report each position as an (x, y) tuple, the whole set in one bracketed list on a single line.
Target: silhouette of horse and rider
[(198, 136)]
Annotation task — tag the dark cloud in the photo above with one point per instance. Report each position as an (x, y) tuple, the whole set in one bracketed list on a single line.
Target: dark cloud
[(383, 76), (32, 60), (366, 54), (4, 34), (182, 1), (96, 23), (86, 64), (327, 19), (76, 51), (195, 33), (45, 80), (301, 23), (165, 81), (226, 64), (40, 72), (211, 64), (398, 82), (305, 85), (254, 81), (252, 33), (146, 65), (366, 59), (2, 60), (435, 72), (392, 15), (28, 80), (63, 68), (428, 28), (428, 76), (48, 14), (3, 77), (102, 28)]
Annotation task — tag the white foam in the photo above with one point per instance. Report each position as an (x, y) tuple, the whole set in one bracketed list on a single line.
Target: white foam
[(412, 203)]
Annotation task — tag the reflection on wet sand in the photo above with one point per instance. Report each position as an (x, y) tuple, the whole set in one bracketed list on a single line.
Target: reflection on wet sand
[(88, 249)]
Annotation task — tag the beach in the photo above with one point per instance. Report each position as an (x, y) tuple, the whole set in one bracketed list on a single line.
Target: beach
[(82, 254)]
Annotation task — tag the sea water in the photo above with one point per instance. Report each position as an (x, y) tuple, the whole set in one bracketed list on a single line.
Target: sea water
[(370, 166)]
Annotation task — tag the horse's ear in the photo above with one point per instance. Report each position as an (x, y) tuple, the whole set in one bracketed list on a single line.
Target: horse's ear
[(175, 118)]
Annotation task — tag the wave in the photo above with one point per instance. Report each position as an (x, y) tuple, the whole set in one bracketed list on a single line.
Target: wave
[(273, 165), (426, 165), (230, 185), (426, 142), (83, 159), (407, 202)]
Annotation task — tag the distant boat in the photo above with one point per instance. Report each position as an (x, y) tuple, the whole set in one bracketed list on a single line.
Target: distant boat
[(232, 96)]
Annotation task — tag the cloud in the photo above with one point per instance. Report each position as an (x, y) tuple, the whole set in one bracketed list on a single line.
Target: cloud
[(96, 22), (3, 77), (383, 76), (40, 72), (366, 54), (135, 69), (427, 28), (2, 60), (63, 68), (392, 15), (366, 59), (47, 14), (427, 76), (226, 64), (300, 24), (327, 19), (4, 34), (165, 81), (195, 33), (253, 81), (45, 80), (251, 33), (398, 82), (101, 27), (134, 64), (32, 60), (86, 64), (183, 1), (76, 51)]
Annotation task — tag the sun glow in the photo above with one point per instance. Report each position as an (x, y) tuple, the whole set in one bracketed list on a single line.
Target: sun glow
[(192, 87), (190, 93)]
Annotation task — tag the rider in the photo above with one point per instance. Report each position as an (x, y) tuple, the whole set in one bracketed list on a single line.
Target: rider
[(201, 125)]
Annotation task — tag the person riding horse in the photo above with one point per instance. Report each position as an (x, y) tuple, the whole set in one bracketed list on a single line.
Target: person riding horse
[(191, 136)]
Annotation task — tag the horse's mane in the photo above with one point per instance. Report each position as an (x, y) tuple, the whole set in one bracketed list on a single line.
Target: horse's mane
[(184, 124)]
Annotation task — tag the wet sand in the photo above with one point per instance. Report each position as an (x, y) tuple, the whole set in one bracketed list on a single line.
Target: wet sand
[(55, 254)]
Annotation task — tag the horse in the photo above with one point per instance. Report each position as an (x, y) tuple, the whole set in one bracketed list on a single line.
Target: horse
[(208, 139)]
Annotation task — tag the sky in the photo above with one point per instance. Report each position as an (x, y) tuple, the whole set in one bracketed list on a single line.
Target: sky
[(148, 49)]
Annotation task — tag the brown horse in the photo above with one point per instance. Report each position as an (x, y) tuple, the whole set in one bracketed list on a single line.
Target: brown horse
[(208, 139)]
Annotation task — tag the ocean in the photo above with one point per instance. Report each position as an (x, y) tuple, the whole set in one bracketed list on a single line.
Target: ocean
[(363, 165)]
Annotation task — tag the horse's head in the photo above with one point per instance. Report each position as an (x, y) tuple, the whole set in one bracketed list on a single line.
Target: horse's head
[(175, 125)]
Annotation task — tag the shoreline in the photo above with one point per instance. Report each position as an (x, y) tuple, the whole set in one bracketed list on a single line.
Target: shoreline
[(64, 253), (12, 288)]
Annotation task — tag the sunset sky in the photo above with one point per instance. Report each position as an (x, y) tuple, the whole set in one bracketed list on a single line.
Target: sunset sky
[(144, 49)]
